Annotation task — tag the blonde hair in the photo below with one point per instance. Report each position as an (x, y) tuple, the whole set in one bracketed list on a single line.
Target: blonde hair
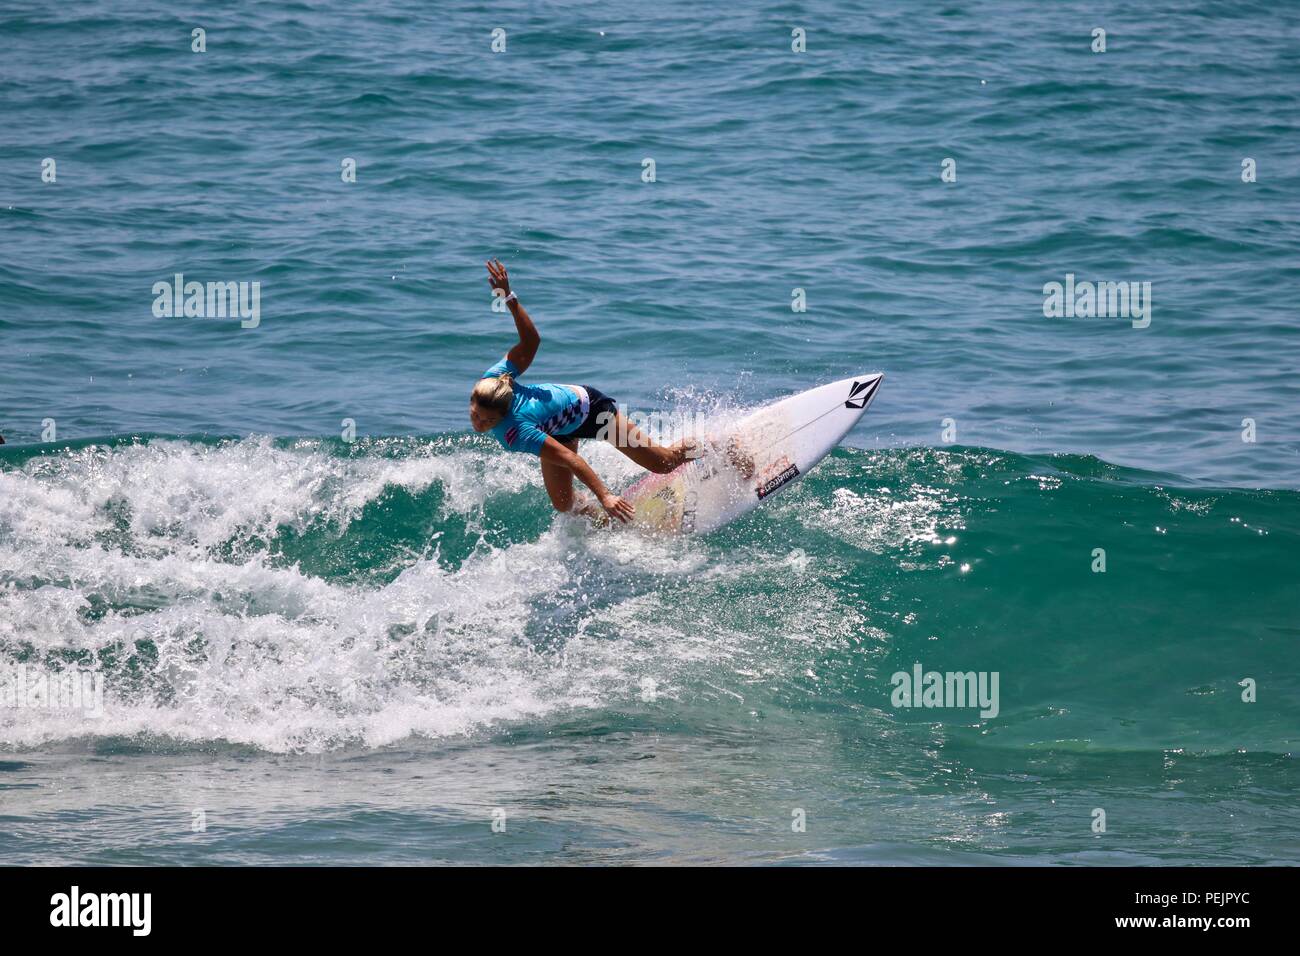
[(497, 394)]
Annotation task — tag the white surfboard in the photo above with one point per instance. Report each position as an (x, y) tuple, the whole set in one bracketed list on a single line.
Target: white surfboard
[(784, 439)]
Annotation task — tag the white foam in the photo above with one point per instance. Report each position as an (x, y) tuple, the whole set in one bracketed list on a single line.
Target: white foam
[(152, 550)]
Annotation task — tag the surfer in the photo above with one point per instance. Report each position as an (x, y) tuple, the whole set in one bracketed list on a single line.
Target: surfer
[(547, 420)]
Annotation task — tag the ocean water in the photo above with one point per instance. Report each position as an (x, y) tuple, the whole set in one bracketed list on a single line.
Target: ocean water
[(329, 651)]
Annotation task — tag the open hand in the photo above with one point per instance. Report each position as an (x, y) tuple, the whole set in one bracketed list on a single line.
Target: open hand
[(618, 508), (497, 276)]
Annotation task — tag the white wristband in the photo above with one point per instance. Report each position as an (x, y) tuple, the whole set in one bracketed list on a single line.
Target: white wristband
[(511, 298)]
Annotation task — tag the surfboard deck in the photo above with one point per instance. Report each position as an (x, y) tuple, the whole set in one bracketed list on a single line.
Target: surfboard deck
[(785, 440)]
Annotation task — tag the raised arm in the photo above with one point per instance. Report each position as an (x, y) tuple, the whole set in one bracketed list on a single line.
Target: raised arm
[(553, 453), (525, 350)]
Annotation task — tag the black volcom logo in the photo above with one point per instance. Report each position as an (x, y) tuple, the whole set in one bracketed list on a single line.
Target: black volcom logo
[(861, 393)]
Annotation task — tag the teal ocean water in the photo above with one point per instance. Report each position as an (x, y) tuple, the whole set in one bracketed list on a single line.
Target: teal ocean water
[(319, 650)]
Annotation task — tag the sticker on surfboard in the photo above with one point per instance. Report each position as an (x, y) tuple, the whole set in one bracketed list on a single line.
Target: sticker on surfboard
[(788, 471)]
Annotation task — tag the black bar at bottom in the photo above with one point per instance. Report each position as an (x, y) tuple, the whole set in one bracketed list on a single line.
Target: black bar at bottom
[(299, 905)]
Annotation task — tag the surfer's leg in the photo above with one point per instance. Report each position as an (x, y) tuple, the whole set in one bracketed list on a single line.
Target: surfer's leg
[(642, 449), (662, 459), (559, 480)]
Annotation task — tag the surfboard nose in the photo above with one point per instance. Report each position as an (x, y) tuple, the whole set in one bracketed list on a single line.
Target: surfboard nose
[(863, 390)]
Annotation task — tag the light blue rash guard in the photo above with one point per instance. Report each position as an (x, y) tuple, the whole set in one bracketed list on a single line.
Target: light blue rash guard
[(537, 411)]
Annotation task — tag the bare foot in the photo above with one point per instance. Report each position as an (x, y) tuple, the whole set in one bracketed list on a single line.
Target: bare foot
[(686, 449), (732, 449), (741, 460)]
